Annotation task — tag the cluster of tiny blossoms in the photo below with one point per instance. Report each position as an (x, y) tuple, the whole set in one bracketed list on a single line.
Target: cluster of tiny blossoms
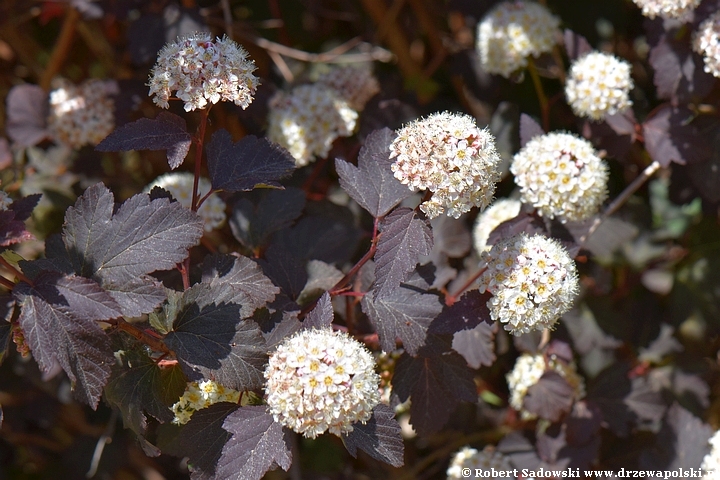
[(201, 395), (308, 119), (81, 114), (319, 380), (355, 85), (450, 156), (485, 461), (711, 461), (561, 176), (497, 213), (180, 185), (511, 32), (201, 71), (533, 282), (599, 84), (706, 42), (527, 372), (677, 9)]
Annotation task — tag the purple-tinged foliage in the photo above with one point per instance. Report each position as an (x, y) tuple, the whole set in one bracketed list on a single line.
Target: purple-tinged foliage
[(12, 221), (671, 136), (322, 315), (550, 397), (27, 110), (379, 437), (529, 129), (254, 221), (575, 44)]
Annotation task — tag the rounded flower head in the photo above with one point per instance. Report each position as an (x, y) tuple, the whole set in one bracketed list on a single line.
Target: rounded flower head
[(449, 155), (308, 120), (320, 380), (532, 280), (180, 185), (561, 176), (201, 395), (511, 32), (711, 461), (599, 84), (706, 42), (201, 71), (677, 9), (527, 372), (471, 458), (355, 85), (82, 114), (497, 213)]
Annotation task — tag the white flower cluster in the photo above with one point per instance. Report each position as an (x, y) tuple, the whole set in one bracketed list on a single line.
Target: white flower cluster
[(711, 461), (500, 211), (511, 32), (201, 71), (561, 176), (320, 380), (527, 372), (5, 200), (81, 114), (450, 156), (485, 460), (677, 9), (180, 185), (706, 42), (354, 85), (199, 395), (599, 84), (532, 280), (308, 120)]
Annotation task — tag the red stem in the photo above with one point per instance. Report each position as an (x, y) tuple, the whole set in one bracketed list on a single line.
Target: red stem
[(155, 343), (199, 142), (6, 283), (451, 299)]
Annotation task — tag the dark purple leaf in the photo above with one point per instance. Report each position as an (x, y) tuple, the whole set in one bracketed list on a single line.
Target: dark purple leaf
[(550, 397), (678, 71), (529, 129), (167, 132), (575, 44), (607, 238), (23, 207), (12, 231), (519, 450), (671, 136), (258, 444), (465, 314), (59, 319), (379, 437), (322, 315), (575, 442), (211, 341), (477, 345), (705, 176), (372, 183), (285, 270), (137, 297), (561, 350), (243, 165), (7, 308), (665, 344), (405, 313), (332, 239), (253, 223), (645, 400), (249, 287), (436, 384), (140, 386), (27, 111), (615, 134), (404, 237), (525, 222), (286, 326), (683, 440)]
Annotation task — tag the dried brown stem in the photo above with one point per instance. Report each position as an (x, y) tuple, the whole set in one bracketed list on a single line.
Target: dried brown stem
[(142, 336), (63, 45)]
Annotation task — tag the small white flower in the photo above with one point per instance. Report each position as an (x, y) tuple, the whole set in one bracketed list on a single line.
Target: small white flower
[(180, 185), (450, 156), (706, 42), (485, 461), (81, 114), (711, 461), (199, 70), (677, 9), (199, 395), (319, 380), (561, 176), (599, 84), (500, 211), (511, 32), (355, 85), (533, 282)]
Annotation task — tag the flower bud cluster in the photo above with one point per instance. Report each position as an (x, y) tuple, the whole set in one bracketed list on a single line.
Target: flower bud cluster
[(199, 395), (450, 156), (321, 380), (308, 120), (599, 84), (180, 185), (500, 211), (201, 71), (485, 460), (677, 9), (533, 282), (561, 176), (527, 372), (706, 42), (354, 85), (511, 32), (82, 114)]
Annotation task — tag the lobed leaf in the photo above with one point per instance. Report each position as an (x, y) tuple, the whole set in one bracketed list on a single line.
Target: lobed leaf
[(477, 345), (671, 136), (380, 437), (322, 315), (12, 220), (167, 132), (372, 183), (550, 397), (244, 165), (253, 223), (678, 72)]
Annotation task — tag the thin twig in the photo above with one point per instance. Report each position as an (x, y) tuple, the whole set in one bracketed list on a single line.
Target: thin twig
[(155, 343), (545, 111), (451, 299), (62, 48), (15, 271), (105, 439)]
